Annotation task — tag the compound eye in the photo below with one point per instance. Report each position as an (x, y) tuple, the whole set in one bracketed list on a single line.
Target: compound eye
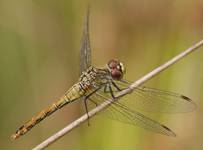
[(116, 74), (113, 63)]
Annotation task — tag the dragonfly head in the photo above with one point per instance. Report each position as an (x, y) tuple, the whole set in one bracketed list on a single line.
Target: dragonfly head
[(116, 68)]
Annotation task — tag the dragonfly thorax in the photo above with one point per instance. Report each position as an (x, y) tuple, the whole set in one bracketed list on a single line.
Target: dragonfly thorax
[(93, 78)]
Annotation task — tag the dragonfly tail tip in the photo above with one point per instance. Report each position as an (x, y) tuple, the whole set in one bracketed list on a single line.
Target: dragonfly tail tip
[(13, 137)]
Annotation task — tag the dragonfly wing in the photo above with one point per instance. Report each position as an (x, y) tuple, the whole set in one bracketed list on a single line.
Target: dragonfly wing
[(155, 100), (85, 50), (122, 113)]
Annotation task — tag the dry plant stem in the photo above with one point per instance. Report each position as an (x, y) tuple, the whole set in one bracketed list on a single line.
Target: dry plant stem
[(99, 108)]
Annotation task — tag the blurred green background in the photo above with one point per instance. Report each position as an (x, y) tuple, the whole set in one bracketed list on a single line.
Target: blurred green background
[(39, 49)]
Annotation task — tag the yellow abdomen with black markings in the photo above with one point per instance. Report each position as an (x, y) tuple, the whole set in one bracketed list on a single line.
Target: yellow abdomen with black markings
[(91, 79), (71, 95)]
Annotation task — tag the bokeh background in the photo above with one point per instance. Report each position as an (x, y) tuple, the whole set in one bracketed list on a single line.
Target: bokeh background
[(39, 49)]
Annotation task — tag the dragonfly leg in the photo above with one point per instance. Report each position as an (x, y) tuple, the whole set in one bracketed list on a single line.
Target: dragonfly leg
[(111, 91), (85, 102), (86, 108), (93, 101), (105, 89), (114, 84)]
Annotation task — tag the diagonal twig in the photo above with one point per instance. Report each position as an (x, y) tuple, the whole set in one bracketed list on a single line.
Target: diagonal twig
[(105, 104)]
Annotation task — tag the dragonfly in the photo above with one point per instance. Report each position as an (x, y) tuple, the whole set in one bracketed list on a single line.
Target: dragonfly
[(97, 85)]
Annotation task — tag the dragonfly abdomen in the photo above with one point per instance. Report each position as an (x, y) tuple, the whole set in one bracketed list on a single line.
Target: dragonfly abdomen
[(71, 95)]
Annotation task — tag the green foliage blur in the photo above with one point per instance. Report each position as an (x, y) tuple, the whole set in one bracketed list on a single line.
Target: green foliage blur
[(39, 61)]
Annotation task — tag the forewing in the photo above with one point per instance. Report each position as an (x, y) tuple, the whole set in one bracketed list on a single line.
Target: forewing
[(155, 100), (85, 50), (122, 113)]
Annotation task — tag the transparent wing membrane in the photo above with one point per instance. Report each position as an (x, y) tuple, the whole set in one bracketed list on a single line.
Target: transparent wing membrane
[(155, 100), (144, 98), (85, 50), (120, 112)]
